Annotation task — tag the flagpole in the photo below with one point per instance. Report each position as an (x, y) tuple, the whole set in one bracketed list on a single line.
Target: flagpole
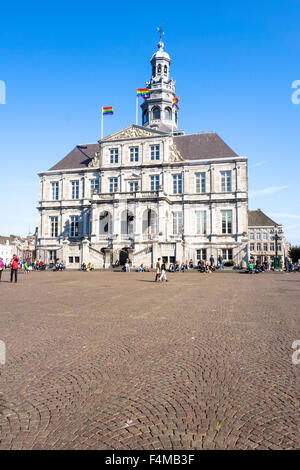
[(102, 123), (136, 110)]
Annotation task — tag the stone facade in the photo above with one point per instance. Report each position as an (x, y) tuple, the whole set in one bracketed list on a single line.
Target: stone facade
[(146, 192)]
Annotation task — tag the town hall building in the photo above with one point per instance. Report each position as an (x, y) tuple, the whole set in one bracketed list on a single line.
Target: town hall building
[(145, 192)]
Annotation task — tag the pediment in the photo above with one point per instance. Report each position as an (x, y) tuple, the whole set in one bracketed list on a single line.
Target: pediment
[(133, 132)]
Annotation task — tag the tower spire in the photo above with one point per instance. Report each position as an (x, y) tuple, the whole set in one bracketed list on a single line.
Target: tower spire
[(157, 110)]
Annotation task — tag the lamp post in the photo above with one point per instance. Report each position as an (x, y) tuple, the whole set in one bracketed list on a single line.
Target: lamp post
[(276, 237)]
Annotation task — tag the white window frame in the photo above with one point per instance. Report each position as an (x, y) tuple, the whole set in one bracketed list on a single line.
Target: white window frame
[(201, 223), (226, 216), (177, 183), (74, 226), (154, 182), (134, 154), (177, 222), (133, 186), (95, 185), (114, 155), (113, 184), (155, 152), (75, 189), (54, 226), (200, 182), (226, 181), (55, 190)]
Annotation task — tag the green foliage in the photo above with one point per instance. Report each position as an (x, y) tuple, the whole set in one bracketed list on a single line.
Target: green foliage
[(229, 263), (294, 253)]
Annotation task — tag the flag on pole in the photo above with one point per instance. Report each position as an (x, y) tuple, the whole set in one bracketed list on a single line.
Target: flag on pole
[(143, 92), (107, 110), (175, 101)]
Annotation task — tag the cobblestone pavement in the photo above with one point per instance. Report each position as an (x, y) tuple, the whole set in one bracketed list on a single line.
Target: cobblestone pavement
[(114, 361)]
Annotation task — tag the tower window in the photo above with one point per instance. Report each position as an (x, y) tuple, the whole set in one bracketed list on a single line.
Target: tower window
[(168, 114), (156, 113), (165, 70), (153, 71), (159, 68), (145, 116)]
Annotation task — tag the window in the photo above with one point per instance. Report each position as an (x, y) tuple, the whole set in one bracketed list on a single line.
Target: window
[(74, 226), (75, 189), (159, 68), (53, 227), (76, 259), (251, 236), (154, 152), (177, 223), (251, 246), (54, 190), (227, 254), (226, 181), (156, 113), (201, 222), (265, 247), (133, 186), (153, 70), (114, 155), (265, 235), (168, 114), (70, 259), (113, 185), (134, 154), (272, 247), (258, 236), (165, 69), (95, 185), (258, 246), (154, 180), (105, 223), (279, 247), (200, 183), (226, 221), (177, 184), (145, 117), (201, 254)]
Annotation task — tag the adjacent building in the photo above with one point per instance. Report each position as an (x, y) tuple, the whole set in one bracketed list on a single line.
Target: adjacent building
[(146, 192), (261, 232)]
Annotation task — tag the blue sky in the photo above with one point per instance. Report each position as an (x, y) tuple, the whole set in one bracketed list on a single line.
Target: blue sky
[(234, 64)]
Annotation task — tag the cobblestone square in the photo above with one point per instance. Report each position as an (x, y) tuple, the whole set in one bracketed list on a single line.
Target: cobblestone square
[(108, 360)]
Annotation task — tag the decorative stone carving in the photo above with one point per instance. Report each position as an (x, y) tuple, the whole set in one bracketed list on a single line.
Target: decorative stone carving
[(95, 162), (174, 154), (130, 133)]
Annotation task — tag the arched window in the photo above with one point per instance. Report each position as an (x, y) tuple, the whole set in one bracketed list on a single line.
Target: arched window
[(176, 117), (156, 113), (149, 223), (165, 70), (145, 116), (159, 68), (127, 222), (105, 223), (153, 71), (168, 114)]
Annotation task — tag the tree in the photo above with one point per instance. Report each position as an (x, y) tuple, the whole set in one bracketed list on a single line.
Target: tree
[(294, 253)]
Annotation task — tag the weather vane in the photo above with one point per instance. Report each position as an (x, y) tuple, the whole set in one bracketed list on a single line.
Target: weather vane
[(161, 31)]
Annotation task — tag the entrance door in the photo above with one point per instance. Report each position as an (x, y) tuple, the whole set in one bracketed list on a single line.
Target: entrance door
[(123, 256)]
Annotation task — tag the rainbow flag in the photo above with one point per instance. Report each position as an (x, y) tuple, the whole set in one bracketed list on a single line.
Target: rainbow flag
[(175, 101), (143, 92), (107, 110)]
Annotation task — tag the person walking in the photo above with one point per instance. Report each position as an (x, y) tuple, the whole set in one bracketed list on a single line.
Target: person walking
[(2, 267), (14, 266), (158, 270), (212, 261), (163, 273), (221, 262)]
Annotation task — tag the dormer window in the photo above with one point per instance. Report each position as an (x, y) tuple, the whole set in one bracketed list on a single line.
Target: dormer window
[(156, 113)]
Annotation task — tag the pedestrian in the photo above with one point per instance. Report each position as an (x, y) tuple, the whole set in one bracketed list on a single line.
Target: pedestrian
[(221, 262), (127, 266), (158, 270), (26, 267), (2, 267), (163, 273), (14, 266), (212, 261)]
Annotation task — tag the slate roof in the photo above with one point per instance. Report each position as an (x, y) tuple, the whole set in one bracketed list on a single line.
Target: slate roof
[(259, 219), (192, 147), (79, 157), (203, 146)]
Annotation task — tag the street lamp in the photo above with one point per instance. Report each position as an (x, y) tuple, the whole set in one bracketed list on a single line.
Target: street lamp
[(276, 237)]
